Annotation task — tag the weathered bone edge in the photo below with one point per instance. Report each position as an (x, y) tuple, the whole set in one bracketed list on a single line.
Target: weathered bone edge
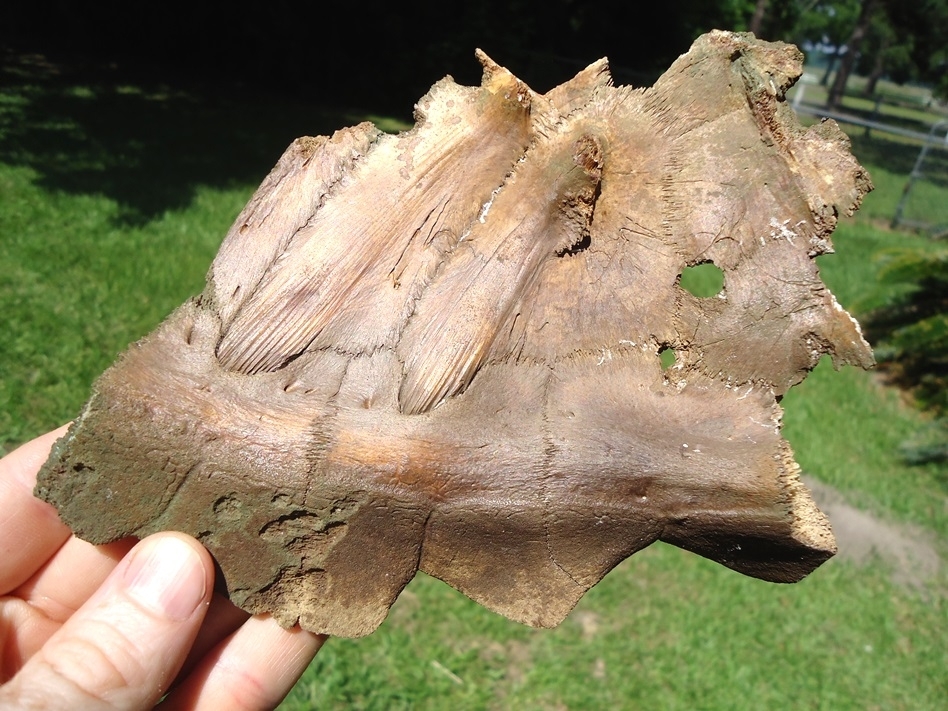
[(439, 351)]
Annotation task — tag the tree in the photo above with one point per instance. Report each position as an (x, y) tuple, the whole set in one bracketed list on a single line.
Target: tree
[(757, 19), (904, 41), (848, 61), (921, 27), (827, 23), (888, 52)]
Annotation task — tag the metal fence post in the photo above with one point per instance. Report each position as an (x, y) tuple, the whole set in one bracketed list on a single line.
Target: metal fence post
[(917, 171)]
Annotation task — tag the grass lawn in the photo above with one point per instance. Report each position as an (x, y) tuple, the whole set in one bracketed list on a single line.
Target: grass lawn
[(113, 200)]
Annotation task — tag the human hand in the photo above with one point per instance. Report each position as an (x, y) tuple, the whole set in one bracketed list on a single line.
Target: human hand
[(120, 626)]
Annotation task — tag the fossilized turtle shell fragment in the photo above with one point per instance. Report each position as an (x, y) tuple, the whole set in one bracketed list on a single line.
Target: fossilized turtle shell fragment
[(439, 351)]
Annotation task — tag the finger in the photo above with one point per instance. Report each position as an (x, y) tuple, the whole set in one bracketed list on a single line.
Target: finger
[(255, 668), (32, 454), (30, 529), (70, 577), (125, 645), (36, 610), (22, 633), (222, 620)]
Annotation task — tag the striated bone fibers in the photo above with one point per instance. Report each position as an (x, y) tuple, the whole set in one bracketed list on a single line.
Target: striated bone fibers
[(439, 351)]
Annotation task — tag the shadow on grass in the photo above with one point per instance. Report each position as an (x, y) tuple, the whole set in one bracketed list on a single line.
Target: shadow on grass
[(145, 144), (899, 156)]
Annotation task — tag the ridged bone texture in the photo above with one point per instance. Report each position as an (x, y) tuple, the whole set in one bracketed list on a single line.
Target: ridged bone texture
[(439, 351)]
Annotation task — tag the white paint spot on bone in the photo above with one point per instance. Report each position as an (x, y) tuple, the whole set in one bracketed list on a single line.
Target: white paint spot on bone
[(781, 230), (486, 207)]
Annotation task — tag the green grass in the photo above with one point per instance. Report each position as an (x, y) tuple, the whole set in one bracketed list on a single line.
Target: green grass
[(113, 200), (77, 287), (664, 630)]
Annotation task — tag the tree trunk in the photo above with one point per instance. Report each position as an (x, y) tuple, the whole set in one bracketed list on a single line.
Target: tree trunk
[(849, 59), (757, 19), (831, 63), (878, 67)]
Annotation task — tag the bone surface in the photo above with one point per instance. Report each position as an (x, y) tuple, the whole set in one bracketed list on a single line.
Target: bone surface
[(440, 350)]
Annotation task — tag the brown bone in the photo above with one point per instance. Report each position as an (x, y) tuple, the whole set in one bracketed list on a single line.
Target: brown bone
[(438, 351)]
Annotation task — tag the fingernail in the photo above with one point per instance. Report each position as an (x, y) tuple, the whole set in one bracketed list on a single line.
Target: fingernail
[(166, 575)]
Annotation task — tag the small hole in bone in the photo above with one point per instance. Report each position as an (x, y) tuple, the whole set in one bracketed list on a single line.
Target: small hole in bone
[(666, 357), (580, 246), (702, 280)]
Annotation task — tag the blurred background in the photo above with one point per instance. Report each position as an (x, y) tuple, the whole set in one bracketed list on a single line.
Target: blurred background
[(132, 134)]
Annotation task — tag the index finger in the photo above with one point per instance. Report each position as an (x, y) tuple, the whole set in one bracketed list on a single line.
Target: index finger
[(30, 529)]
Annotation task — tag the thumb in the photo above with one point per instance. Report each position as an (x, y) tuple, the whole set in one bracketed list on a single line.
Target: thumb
[(124, 646)]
